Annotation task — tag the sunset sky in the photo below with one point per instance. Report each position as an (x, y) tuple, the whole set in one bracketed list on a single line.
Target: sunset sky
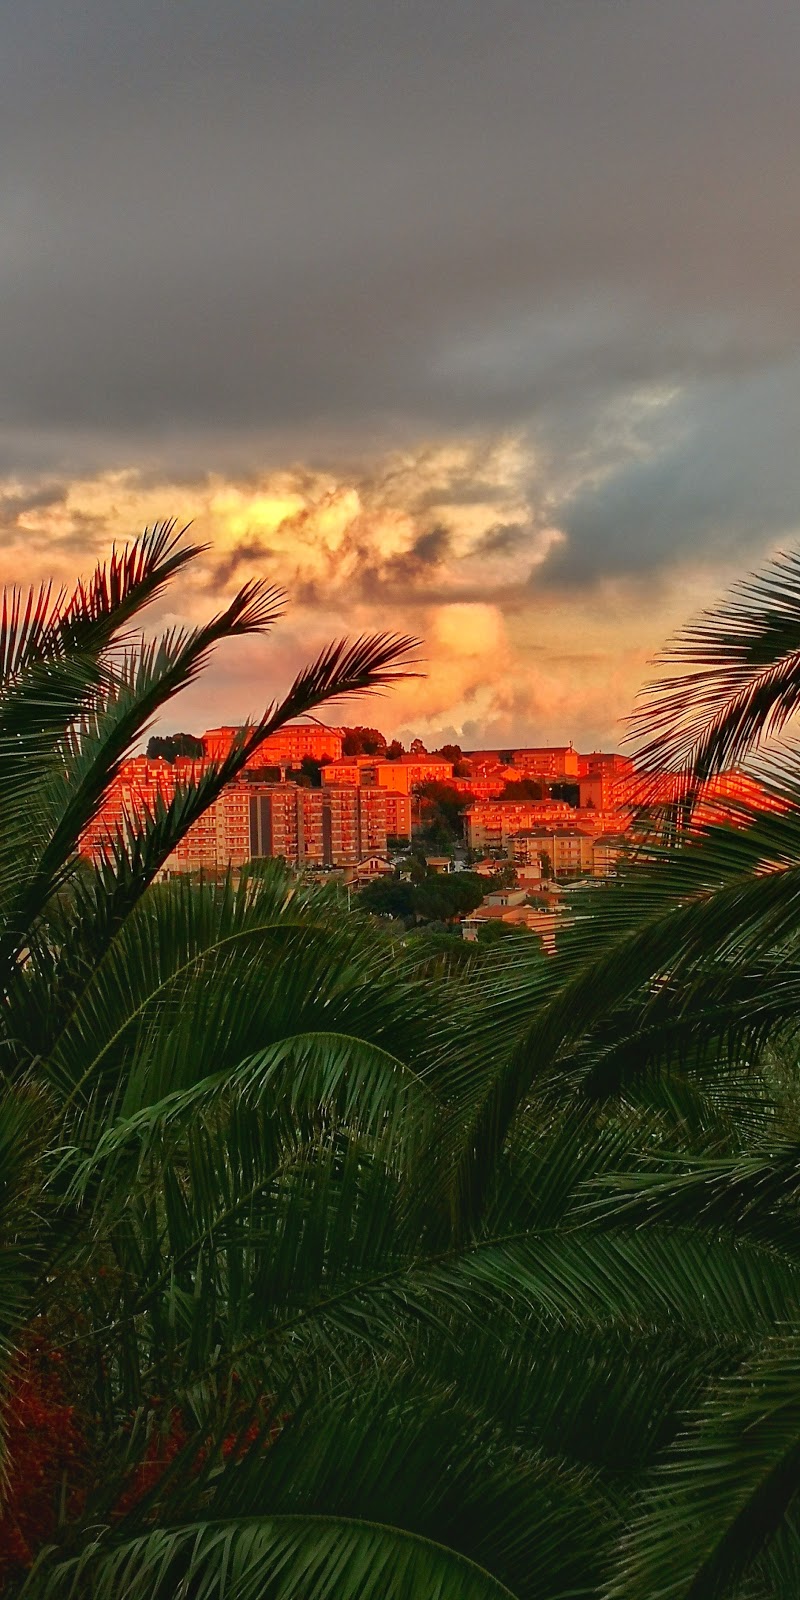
[(474, 318)]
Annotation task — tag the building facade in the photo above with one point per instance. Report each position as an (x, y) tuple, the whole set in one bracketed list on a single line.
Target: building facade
[(284, 748)]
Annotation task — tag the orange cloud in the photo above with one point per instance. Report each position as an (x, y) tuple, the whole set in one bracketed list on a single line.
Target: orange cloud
[(445, 542)]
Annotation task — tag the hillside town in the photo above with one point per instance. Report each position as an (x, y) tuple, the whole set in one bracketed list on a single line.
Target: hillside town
[(344, 803)]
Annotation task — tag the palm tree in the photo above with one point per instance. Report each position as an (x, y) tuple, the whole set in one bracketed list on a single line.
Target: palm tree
[(373, 1276), (667, 1033), (227, 1191)]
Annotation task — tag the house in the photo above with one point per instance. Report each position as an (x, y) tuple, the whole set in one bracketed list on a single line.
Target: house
[(371, 867)]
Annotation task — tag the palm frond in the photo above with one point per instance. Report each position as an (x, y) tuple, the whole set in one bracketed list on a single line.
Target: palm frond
[(277, 1558), (723, 1489), (734, 679)]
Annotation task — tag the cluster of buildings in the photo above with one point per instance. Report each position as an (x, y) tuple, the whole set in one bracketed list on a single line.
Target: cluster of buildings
[(264, 812), (581, 831), (571, 821)]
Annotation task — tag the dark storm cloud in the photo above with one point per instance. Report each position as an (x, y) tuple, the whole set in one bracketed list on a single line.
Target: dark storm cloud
[(502, 539), (232, 232), (728, 478), (244, 555)]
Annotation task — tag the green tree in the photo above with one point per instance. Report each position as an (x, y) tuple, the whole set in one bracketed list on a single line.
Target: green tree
[(171, 745), (360, 741), (444, 895), (442, 809), (670, 1013), (524, 789), (228, 1119), (396, 842), (388, 896), (375, 1272), (311, 771)]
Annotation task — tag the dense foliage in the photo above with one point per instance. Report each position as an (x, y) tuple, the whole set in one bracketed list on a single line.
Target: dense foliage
[(433, 897), (333, 1267)]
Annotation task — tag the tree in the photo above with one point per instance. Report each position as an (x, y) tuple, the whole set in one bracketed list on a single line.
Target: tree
[(524, 789), (395, 750), (442, 809), (335, 1265), (311, 771), (450, 752), (171, 745), (417, 748), (388, 896), (675, 1002), (360, 741), (569, 792), (495, 932), (228, 1124), (396, 842), (445, 895)]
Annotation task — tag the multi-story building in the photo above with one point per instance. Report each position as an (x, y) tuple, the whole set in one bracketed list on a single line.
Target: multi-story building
[(310, 827), (340, 824), (550, 762), (593, 762), (483, 787), (606, 787), (398, 814), (219, 838), (490, 823), (347, 769), (568, 853), (273, 821), (408, 772), (607, 851), (136, 791), (372, 822), (284, 748)]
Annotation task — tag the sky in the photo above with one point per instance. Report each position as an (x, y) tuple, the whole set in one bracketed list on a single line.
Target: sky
[(475, 320)]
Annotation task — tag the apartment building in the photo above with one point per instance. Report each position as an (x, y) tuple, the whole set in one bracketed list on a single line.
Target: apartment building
[(489, 824), (550, 762), (609, 761), (398, 814), (484, 787), (373, 824), (284, 748), (407, 773), (272, 813), (351, 770), (340, 824), (570, 853), (138, 787), (219, 838)]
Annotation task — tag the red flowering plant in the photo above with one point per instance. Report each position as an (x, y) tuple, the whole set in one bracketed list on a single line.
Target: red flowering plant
[(47, 1451)]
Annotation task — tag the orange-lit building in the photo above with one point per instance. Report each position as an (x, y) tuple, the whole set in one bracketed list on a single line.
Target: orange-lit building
[(398, 814), (483, 787), (347, 769), (373, 824), (272, 815), (340, 824), (407, 773), (489, 824), (551, 762), (284, 748), (570, 852), (135, 792), (609, 761)]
